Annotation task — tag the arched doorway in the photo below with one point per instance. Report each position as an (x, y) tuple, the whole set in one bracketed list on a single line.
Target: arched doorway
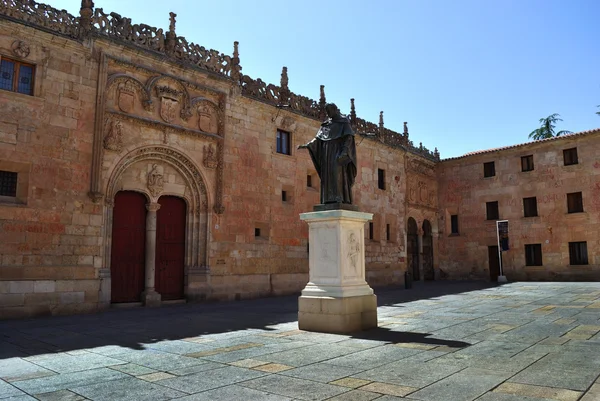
[(170, 247), (412, 248), (427, 251), (128, 247)]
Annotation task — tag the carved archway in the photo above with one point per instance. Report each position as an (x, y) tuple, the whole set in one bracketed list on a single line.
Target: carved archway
[(412, 248), (195, 196)]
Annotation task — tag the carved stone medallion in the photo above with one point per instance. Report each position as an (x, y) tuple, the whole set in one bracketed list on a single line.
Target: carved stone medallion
[(169, 103), (207, 118), (126, 96), (155, 181), (113, 140), (20, 48), (210, 159)]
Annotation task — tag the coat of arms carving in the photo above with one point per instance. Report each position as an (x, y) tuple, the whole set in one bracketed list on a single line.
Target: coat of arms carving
[(208, 120), (169, 103), (126, 96)]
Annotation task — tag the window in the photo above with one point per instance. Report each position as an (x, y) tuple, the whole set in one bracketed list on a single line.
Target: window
[(533, 254), (16, 76), (491, 209), (454, 224), (489, 169), (570, 156), (283, 142), (309, 181), (370, 230), (530, 207), (387, 232), (284, 196), (8, 183), (575, 202), (257, 232), (380, 178), (527, 163), (578, 253)]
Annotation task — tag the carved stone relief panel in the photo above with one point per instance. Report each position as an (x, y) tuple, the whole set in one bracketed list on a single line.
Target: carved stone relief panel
[(354, 254), (208, 117), (210, 158), (422, 192), (126, 96), (20, 48), (421, 167), (113, 137), (169, 107), (155, 181)]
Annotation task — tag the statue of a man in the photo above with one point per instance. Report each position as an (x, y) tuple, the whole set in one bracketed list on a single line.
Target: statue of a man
[(333, 153)]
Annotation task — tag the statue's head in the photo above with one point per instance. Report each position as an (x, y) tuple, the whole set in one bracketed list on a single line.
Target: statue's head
[(332, 110)]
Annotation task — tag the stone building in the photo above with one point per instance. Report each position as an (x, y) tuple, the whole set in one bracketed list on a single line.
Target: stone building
[(138, 167)]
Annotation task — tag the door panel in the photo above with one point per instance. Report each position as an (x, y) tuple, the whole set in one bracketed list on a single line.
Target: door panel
[(128, 247), (494, 263), (170, 247)]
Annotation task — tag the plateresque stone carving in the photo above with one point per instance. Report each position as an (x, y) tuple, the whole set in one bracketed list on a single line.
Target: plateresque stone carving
[(155, 181)]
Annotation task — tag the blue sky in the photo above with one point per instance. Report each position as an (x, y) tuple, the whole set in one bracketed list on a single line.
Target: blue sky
[(465, 74)]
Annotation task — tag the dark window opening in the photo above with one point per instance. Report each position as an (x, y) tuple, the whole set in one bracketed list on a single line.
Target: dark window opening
[(489, 169), (257, 232), (533, 254), (454, 224), (284, 196), (283, 142), (387, 232), (8, 183), (575, 202), (491, 209), (309, 181), (371, 230), (527, 163), (530, 207), (16, 76), (570, 156), (578, 253), (380, 178)]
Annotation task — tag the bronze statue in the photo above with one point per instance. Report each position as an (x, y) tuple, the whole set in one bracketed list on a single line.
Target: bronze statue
[(333, 153)]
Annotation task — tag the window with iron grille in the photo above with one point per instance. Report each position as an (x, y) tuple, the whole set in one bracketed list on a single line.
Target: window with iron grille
[(530, 207), (575, 202), (570, 156), (489, 169), (8, 183), (454, 224), (533, 254), (16, 76), (578, 253), (491, 209), (283, 142), (527, 163)]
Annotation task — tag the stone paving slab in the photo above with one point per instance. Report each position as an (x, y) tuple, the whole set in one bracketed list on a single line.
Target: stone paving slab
[(442, 341)]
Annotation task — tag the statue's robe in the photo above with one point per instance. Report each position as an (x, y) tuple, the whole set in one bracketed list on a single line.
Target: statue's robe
[(333, 153)]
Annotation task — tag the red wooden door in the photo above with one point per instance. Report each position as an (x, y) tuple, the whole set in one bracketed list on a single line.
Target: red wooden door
[(128, 247), (170, 247)]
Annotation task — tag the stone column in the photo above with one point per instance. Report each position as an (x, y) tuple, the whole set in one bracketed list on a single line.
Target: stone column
[(337, 298), (150, 297)]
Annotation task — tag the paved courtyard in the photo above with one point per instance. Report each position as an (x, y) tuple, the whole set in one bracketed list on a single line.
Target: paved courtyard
[(438, 342)]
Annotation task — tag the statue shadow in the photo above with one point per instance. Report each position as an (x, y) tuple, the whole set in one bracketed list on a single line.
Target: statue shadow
[(405, 337)]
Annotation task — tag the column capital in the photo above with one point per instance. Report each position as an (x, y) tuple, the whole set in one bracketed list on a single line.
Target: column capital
[(153, 207)]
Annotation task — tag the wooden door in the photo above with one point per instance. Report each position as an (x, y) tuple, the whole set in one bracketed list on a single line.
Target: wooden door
[(128, 247), (170, 247), (428, 273), (494, 263), (412, 248)]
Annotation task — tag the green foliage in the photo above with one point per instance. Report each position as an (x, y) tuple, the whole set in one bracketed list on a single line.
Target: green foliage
[(546, 130)]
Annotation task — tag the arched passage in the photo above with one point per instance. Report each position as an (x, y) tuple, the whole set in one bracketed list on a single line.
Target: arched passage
[(428, 273), (412, 248)]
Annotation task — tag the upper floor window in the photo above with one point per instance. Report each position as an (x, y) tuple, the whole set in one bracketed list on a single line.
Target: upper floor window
[(527, 163), (454, 224), (575, 202), (530, 207), (380, 178), (570, 156), (16, 76), (283, 142), (489, 169), (491, 210), (8, 183)]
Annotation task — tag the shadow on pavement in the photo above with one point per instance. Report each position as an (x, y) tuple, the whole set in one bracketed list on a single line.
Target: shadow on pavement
[(134, 328)]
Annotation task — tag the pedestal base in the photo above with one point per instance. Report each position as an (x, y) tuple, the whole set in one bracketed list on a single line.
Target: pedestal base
[(337, 315), (502, 279), (151, 298)]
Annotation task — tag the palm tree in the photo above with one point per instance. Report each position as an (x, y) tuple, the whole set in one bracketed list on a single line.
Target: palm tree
[(547, 128)]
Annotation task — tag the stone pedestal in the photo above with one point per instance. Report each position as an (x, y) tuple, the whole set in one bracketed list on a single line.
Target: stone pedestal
[(337, 299)]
